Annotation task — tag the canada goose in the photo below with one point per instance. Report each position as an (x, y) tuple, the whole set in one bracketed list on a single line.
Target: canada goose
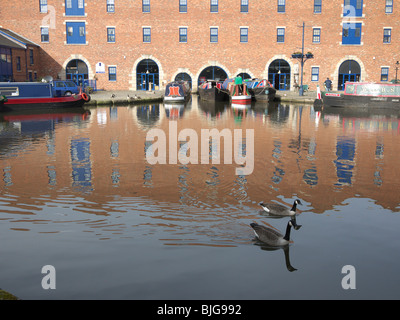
[(271, 236), (113, 95), (280, 210)]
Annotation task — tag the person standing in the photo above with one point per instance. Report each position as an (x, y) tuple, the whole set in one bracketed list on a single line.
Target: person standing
[(328, 84)]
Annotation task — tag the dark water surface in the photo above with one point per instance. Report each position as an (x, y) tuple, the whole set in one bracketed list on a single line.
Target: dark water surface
[(78, 193)]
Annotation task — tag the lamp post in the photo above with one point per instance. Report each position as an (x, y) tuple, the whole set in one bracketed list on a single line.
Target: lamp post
[(302, 58), (397, 68)]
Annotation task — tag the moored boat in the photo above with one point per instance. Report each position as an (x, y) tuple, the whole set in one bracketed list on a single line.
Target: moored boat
[(237, 90), (33, 95), (177, 91), (211, 90), (261, 89), (364, 94)]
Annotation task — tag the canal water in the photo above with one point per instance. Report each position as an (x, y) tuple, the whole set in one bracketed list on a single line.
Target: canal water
[(130, 202)]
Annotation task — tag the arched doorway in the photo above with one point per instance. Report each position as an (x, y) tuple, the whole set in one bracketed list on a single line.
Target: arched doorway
[(183, 76), (279, 74), (349, 70), (212, 73), (244, 75), (147, 75), (77, 71)]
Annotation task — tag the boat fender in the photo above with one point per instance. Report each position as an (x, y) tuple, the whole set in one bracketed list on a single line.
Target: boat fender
[(85, 97)]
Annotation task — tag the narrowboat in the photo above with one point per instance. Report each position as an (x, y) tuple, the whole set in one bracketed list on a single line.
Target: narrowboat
[(34, 95), (237, 91), (177, 91), (364, 94), (261, 90), (211, 90)]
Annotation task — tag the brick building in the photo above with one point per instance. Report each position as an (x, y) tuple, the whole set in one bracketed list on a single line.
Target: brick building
[(142, 44)]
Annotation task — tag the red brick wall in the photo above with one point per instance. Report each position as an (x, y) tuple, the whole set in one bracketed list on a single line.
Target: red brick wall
[(233, 56)]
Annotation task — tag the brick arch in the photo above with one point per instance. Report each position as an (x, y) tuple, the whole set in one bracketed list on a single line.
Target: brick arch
[(289, 61), (244, 70), (132, 76), (335, 74), (182, 70), (62, 74), (209, 64)]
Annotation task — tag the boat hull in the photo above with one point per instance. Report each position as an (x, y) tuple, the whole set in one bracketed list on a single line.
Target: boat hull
[(74, 101), (262, 93), (241, 99), (213, 94), (341, 100)]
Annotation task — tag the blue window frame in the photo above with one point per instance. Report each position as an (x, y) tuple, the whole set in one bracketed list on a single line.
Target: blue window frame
[(351, 34), (353, 8), (280, 35), (213, 34), (314, 73), (147, 34), (76, 32), (19, 64), (384, 74), (74, 7), (43, 6), (183, 34), (110, 5), (281, 5), (111, 34), (31, 61), (44, 34), (244, 34), (389, 6), (213, 5), (112, 73), (244, 5), (145, 5), (316, 35), (182, 5), (387, 35), (317, 6)]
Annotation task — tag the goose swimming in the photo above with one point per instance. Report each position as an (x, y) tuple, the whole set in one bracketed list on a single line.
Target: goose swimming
[(280, 210), (271, 236)]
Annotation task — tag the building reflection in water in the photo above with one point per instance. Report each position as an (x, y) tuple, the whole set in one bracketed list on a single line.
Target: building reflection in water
[(298, 152)]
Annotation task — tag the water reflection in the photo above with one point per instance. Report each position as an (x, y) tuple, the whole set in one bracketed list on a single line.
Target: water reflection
[(323, 157)]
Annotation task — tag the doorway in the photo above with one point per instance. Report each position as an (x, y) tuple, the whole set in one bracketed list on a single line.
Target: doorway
[(349, 70), (279, 74), (147, 75)]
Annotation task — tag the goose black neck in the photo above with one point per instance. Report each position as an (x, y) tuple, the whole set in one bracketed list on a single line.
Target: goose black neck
[(294, 206), (287, 233)]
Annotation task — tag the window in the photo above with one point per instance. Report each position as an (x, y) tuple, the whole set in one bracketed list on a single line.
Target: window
[(214, 6), (387, 35), (351, 34), (244, 5), (145, 5), (244, 34), (110, 6), (112, 73), (18, 63), (74, 7), (43, 6), (182, 5), (183, 34), (384, 74), (389, 6), (316, 35), (213, 34), (44, 34), (280, 32), (146, 34), (31, 56), (76, 33), (111, 34), (317, 6), (281, 5), (353, 8), (314, 73)]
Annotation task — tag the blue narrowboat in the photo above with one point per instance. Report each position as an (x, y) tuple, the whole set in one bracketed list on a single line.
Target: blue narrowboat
[(34, 95)]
